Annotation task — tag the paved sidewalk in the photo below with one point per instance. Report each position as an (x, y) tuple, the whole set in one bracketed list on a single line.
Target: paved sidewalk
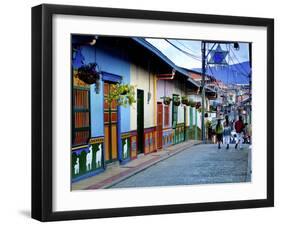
[(115, 173)]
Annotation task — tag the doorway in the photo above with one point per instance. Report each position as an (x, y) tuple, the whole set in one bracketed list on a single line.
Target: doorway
[(159, 127), (110, 125), (140, 119)]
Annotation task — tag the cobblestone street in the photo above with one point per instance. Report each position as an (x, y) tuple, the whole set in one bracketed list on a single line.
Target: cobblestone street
[(200, 164)]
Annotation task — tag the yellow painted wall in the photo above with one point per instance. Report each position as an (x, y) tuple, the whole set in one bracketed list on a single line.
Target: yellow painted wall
[(140, 78)]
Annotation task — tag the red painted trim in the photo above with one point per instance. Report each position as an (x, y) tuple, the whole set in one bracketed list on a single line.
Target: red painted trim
[(150, 129), (134, 135)]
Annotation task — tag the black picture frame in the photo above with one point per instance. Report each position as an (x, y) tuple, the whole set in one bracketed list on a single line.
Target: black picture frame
[(42, 111)]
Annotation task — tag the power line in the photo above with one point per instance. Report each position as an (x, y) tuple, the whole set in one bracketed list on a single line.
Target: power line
[(238, 61), (186, 47), (238, 69), (183, 51)]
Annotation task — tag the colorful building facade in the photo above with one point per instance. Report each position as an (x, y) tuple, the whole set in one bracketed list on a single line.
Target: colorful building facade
[(104, 132)]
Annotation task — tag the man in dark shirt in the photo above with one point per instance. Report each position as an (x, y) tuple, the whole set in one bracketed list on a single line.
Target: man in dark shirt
[(239, 127)]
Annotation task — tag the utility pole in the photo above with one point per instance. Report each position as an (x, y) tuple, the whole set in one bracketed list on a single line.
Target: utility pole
[(203, 48)]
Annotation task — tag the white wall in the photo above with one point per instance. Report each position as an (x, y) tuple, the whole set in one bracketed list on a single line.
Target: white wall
[(187, 116), (15, 122), (140, 78), (198, 119), (195, 98)]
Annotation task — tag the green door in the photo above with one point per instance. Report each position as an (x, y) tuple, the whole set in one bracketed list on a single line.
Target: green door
[(140, 118), (175, 120)]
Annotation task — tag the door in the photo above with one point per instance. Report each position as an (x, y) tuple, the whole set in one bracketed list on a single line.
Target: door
[(175, 120), (140, 118), (159, 124), (110, 125)]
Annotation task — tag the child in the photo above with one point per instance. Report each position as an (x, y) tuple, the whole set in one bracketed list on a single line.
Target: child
[(219, 133)]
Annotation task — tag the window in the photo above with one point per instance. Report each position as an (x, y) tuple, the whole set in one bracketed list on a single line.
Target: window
[(81, 116)]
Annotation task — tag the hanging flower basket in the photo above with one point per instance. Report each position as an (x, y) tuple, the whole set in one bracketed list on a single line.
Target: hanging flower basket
[(192, 103), (89, 73), (184, 100), (213, 108), (176, 100), (124, 89), (123, 94), (166, 100)]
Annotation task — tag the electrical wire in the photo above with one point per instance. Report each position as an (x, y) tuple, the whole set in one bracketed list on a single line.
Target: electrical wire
[(238, 61), (238, 69), (183, 51), (185, 46)]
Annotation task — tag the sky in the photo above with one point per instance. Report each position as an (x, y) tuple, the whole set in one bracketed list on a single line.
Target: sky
[(192, 59)]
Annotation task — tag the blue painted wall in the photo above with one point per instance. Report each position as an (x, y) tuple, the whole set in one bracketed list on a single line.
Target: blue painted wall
[(97, 127), (112, 61)]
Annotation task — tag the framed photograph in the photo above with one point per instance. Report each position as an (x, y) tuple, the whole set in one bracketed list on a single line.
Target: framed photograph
[(145, 112)]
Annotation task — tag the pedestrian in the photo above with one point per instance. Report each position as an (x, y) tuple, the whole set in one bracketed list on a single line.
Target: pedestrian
[(209, 129), (239, 127), (219, 133), (227, 131)]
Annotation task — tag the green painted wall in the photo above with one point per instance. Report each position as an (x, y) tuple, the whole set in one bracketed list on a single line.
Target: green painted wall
[(86, 162)]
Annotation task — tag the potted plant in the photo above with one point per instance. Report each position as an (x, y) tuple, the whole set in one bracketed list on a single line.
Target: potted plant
[(176, 100), (89, 73), (192, 103), (213, 108), (124, 89), (123, 94), (166, 100), (184, 100)]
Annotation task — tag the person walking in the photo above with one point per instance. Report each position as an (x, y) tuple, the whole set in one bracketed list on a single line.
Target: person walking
[(227, 131), (239, 127), (219, 133)]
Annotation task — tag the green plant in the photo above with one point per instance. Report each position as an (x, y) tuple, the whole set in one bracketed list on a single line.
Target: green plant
[(192, 103), (184, 100), (213, 108), (166, 100), (123, 94), (176, 100)]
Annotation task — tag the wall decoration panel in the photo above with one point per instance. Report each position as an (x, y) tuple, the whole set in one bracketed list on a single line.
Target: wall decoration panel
[(88, 160)]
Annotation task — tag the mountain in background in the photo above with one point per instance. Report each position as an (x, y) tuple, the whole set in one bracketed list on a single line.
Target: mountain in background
[(229, 74)]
